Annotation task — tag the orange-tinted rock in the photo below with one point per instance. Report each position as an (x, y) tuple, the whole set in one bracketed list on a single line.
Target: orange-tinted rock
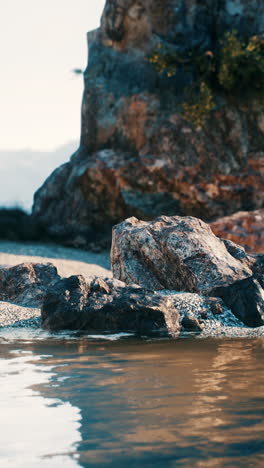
[(138, 155), (245, 228)]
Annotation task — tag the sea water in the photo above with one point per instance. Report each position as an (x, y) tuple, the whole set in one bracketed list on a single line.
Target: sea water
[(117, 401)]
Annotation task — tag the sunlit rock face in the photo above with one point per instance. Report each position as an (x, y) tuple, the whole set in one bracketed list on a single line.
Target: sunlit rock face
[(183, 254), (138, 156)]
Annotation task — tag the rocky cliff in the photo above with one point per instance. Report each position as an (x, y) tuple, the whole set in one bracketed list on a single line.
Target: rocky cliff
[(138, 154)]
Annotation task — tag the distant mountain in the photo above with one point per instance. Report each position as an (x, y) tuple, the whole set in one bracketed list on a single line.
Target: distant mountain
[(22, 172)]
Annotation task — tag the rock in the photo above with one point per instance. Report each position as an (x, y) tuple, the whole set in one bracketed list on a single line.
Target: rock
[(183, 254), (107, 306), (246, 300), (173, 253), (255, 262), (245, 228), (216, 306), (191, 323), (26, 284), (258, 268), (138, 156)]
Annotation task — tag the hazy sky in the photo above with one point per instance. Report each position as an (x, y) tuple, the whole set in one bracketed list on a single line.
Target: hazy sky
[(41, 41)]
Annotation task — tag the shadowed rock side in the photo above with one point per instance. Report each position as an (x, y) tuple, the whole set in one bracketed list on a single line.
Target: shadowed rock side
[(105, 305), (138, 156), (243, 297), (183, 254)]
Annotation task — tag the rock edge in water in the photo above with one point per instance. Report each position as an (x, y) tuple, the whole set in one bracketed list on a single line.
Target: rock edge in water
[(107, 305)]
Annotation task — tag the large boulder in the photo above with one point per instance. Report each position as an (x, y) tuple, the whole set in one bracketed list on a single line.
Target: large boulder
[(183, 254), (105, 305), (26, 284), (138, 155), (174, 253)]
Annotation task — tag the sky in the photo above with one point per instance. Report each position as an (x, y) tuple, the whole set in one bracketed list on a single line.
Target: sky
[(41, 42)]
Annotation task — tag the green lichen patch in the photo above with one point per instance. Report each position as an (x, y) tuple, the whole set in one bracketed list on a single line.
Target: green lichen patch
[(235, 69)]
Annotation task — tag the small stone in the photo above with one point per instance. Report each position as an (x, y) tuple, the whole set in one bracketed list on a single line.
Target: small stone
[(191, 324), (27, 283), (204, 315)]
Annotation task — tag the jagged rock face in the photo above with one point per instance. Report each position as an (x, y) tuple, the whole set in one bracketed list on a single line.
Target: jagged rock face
[(106, 305), (26, 284), (138, 156), (175, 253), (183, 254), (185, 23)]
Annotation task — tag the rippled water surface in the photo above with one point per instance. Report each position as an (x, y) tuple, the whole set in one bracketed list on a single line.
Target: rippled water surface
[(83, 402)]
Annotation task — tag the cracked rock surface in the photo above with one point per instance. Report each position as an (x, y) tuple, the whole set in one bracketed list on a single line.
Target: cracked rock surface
[(138, 155), (183, 254)]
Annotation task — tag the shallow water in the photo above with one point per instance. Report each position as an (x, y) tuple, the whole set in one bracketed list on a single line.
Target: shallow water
[(83, 402)]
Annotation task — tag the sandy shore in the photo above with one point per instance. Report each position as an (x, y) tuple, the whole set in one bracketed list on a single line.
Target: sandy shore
[(68, 262)]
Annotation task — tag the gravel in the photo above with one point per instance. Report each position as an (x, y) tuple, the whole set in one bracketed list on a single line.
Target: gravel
[(13, 315)]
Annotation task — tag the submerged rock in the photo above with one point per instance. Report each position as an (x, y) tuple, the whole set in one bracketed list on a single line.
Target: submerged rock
[(138, 155), (26, 284), (183, 254)]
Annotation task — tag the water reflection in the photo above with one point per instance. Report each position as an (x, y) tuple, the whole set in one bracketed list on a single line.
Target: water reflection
[(35, 431), (182, 403)]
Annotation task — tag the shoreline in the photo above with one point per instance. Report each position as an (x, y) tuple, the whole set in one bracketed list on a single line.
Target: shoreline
[(14, 316), (70, 261)]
